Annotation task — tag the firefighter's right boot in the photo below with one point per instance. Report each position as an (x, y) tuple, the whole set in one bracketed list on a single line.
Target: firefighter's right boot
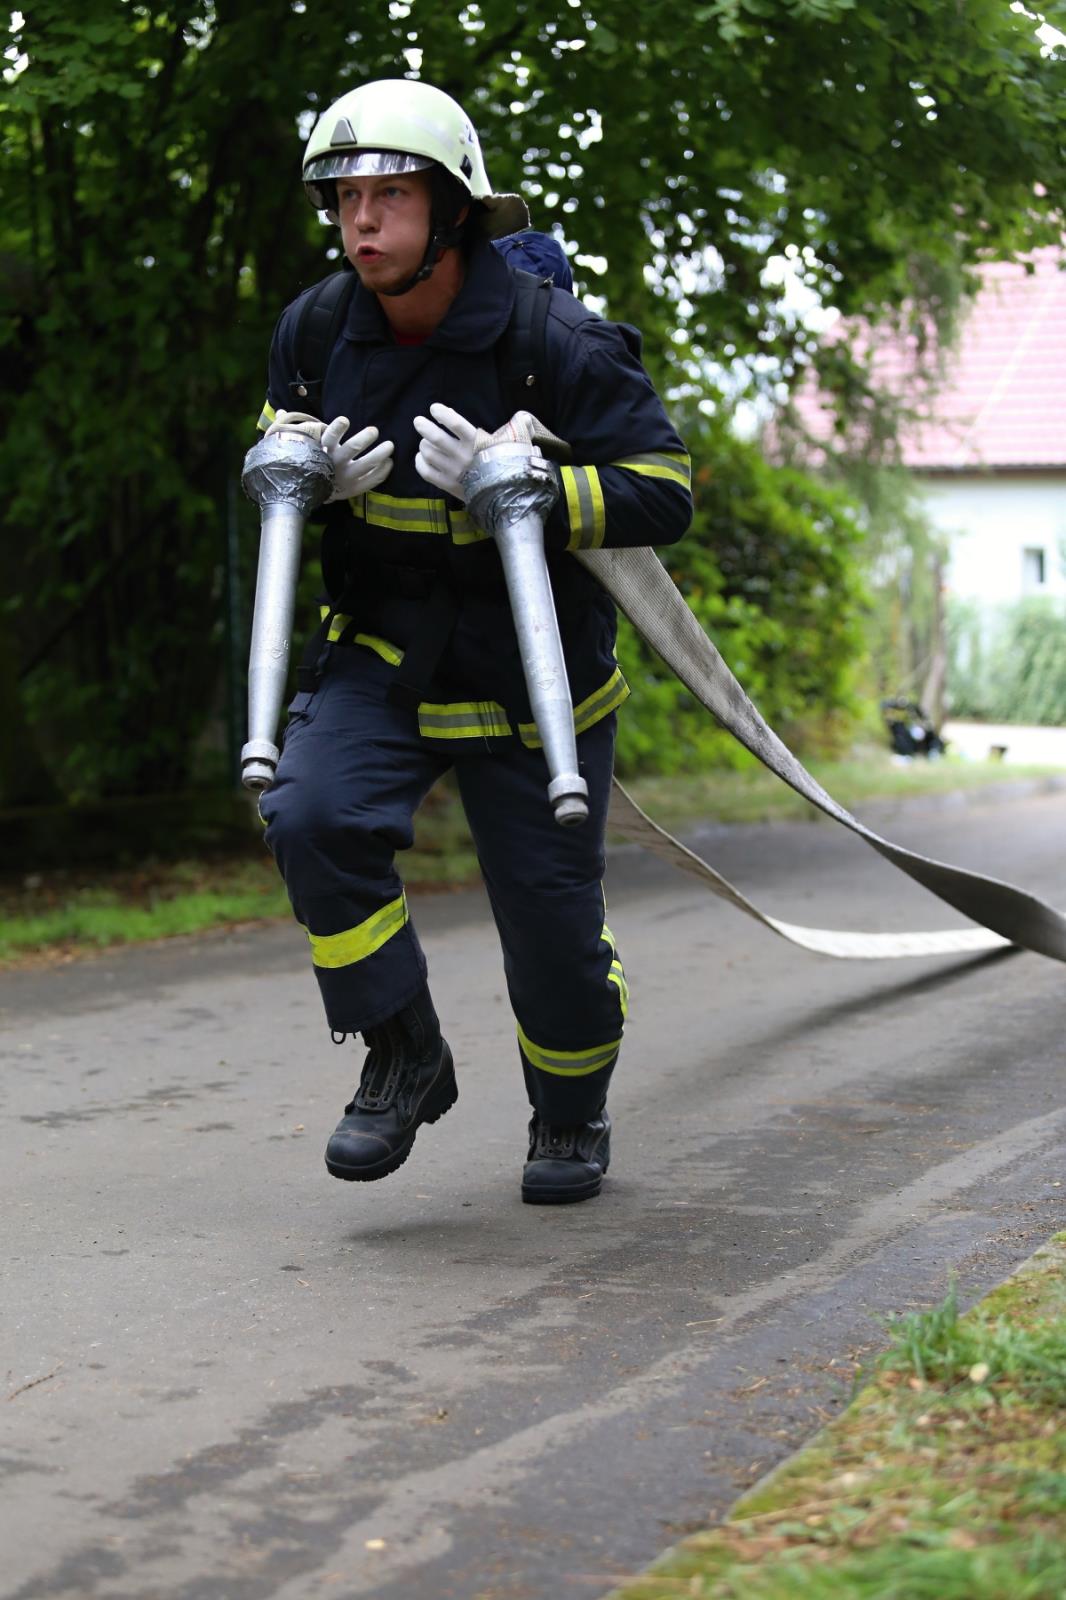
[(408, 1078)]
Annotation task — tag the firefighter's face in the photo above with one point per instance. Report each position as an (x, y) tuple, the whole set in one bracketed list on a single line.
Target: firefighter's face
[(384, 223)]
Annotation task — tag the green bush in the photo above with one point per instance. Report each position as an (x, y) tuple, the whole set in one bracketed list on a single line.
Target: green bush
[(1008, 663), (770, 569)]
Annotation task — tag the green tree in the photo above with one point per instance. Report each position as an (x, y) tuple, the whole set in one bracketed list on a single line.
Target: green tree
[(1009, 664), (769, 569), (153, 227)]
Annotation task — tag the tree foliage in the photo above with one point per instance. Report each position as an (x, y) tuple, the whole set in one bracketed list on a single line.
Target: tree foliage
[(1008, 664), (153, 227), (769, 569)]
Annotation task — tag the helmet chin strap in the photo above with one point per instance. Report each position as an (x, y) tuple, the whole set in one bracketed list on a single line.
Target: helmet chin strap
[(444, 236)]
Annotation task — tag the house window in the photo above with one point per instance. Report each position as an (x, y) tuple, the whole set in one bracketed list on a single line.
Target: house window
[(1032, 569)]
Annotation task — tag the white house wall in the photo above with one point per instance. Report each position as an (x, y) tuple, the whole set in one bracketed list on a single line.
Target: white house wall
[(991, 522)]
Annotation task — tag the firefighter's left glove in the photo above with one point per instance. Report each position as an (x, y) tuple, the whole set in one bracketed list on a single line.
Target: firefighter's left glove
[(447, 449), (356, 467)]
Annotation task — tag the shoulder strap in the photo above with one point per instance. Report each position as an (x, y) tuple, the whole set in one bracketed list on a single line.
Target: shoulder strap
[(322, 317), (521, 355)]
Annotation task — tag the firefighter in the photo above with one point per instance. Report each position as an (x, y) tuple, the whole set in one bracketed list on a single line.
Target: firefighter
[(416, 669)]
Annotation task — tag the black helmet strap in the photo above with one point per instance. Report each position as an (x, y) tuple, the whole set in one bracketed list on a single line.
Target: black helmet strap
[(447, 199)]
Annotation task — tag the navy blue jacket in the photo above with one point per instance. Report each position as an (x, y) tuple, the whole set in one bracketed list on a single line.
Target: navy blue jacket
[(630, 486)]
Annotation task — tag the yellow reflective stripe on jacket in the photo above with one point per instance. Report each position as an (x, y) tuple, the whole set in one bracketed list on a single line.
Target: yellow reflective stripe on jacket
[(584, 507), (464, 529), (337, 626), (482, 719), (567, 1063), (381, 647), (403, 514), (463, 719), (660, 464), (266, 416), (587, 712), (596, 706), (355, 944)]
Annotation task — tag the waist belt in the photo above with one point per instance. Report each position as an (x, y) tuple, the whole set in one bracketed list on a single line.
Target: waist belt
[(361, 600)]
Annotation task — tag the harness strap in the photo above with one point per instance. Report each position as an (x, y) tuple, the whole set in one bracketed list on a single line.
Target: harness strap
[(321, 319), (521, 354), (315, 657)]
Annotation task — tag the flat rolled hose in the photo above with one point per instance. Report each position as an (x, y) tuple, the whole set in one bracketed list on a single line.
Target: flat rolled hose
[(643, 590)]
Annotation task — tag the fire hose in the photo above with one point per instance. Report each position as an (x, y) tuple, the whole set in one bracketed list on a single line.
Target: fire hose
[(510, 489)]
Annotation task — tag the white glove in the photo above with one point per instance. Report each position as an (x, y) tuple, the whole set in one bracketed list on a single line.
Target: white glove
[(297, 422), (447, 449), (356, 468)]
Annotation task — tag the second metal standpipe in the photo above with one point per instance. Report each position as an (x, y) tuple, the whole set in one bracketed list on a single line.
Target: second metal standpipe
[(510, 489)]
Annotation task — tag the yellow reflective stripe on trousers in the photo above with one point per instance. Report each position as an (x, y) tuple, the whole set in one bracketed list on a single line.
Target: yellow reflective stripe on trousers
[(355, 944), (616, 975), (659, 464), (463, 719), (618, 978), (266, 416), (584, 507), (587, 712), (567, 1063)]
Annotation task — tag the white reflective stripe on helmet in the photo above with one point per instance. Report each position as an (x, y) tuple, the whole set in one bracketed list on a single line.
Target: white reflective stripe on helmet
[(364, 164)]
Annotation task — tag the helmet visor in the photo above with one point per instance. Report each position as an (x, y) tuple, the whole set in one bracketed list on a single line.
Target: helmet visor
[(363, 164)]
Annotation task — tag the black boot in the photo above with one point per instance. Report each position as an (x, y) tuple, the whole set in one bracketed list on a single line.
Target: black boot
[(566, 1163), (407, 1079)]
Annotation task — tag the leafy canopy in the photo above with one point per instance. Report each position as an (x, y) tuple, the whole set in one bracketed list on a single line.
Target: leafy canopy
[(153, 227)]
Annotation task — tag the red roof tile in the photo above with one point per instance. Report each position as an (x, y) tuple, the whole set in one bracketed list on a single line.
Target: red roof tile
[(1003, 400)]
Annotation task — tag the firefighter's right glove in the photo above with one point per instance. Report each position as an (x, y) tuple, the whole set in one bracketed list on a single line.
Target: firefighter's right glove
[(297, 422), (356, 467)]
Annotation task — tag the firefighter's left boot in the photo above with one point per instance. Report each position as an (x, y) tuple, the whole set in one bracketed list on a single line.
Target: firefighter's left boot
[(566, 1163), (408, 1078)]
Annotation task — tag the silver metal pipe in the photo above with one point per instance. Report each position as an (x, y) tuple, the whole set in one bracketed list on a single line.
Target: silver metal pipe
[(287, 474), (509, 492)]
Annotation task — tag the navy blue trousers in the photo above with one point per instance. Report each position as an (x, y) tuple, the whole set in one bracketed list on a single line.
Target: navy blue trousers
[(353, 771)]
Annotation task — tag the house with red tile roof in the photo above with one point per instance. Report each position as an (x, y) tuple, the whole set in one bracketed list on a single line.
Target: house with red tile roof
[(989, 452)]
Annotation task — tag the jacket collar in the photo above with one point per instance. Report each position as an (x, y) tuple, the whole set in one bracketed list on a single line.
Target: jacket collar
[(475, 320)]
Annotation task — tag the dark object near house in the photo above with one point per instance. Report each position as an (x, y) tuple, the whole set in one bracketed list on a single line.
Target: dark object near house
[(910, 730)]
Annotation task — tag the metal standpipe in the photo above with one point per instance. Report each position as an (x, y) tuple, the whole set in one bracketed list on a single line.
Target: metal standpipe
[(287, 474), (509, 492)]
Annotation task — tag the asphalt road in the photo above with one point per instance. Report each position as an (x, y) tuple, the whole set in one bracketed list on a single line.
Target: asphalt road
[(228, 1377)]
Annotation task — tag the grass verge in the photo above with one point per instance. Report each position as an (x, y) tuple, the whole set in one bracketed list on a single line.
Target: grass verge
[(756, 795), (58, 915), (945, 1479)]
